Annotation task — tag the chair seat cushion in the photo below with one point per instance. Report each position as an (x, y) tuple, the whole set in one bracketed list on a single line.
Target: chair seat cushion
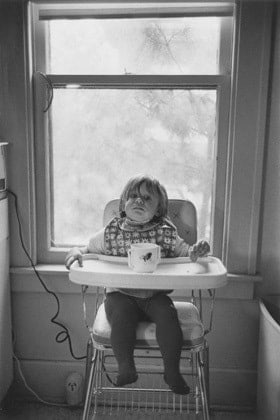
[(192, 327)]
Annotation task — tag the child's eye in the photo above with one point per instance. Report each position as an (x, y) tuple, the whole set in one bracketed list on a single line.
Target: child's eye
[(133, 195), (146, 197)]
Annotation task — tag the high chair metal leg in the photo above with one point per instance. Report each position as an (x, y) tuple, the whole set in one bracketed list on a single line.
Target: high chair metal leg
[(203, 388), (206, 370), (90, 383)]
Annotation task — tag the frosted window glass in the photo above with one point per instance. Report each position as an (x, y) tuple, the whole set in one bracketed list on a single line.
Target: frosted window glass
[(100, 138), (139, 46)]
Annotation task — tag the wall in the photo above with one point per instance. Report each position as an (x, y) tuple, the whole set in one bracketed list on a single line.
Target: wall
[(46, 364), (14, 127), (269, 265), (6, 360)]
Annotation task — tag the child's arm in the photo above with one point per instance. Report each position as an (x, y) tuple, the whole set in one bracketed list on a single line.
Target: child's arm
[(95, 246), (181, 248)]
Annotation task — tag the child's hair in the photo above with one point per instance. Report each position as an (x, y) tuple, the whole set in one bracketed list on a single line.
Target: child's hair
[(152, 185)]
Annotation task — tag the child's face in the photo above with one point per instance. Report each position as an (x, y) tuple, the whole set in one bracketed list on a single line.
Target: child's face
[(142, 206)]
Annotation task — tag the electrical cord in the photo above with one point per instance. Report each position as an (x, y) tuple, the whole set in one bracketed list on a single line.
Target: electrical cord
[(65, 330), (63, 335), (32, 390)]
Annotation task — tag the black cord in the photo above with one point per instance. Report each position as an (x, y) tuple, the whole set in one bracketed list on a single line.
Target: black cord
[(63, 335)]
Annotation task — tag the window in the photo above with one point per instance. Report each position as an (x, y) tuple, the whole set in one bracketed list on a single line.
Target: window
[(134, 91), (130, 88)]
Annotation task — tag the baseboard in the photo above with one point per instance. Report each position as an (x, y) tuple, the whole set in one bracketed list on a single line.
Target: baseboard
[(229, 389)]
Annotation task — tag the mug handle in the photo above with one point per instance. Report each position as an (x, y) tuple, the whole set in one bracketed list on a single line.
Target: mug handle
[(159, 254), (129, 259)]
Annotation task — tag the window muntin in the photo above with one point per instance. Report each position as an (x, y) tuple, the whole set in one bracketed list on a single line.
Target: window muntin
[(182, 45), (101, 137)]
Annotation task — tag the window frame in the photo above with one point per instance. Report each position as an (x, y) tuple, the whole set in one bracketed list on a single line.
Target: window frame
[(230, 226)]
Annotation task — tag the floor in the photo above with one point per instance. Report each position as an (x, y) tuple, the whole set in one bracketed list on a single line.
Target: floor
[(38, 411)]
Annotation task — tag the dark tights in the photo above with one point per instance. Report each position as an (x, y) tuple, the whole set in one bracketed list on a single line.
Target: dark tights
[(124, 312)]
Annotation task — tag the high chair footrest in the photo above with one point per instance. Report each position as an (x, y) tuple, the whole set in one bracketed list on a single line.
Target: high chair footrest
[(192, 328)]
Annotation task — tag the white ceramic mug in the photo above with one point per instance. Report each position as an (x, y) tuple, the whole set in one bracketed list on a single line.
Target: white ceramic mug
[(143, 257)]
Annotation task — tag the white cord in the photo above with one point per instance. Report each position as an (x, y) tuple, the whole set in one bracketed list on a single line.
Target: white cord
[(31, 390)]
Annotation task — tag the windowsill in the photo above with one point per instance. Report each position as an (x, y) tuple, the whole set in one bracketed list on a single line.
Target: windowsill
[(23, 279)]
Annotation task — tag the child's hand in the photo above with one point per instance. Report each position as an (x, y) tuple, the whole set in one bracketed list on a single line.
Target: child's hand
[(200, 249), (73, 255)]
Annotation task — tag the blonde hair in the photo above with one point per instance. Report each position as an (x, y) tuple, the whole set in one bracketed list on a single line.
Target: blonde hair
[(152, 185)]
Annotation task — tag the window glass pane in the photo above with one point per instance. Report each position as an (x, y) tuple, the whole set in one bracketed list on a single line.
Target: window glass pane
[(100, 138), (185, 45)]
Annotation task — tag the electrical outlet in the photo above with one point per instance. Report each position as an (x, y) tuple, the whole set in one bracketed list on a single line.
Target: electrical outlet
[(74, 388)]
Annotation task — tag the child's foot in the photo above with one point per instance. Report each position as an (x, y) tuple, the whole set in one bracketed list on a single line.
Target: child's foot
[(125, 378), (177, 384)]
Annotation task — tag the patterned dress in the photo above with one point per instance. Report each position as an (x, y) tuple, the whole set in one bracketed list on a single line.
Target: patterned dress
[(120, 233)]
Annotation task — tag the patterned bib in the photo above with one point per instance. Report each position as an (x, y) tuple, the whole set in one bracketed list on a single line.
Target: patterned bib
[(119, 235)]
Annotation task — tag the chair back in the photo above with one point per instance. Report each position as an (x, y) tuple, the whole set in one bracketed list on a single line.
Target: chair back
[(181, 212)]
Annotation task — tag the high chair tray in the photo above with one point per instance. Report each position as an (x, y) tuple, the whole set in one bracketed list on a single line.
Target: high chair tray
[(180, 273)]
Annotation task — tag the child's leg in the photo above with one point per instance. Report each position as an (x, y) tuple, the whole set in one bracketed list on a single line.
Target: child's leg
[(161, 310), (123, 315)]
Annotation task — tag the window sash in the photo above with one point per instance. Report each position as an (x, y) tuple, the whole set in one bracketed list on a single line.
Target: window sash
[(41, 12), (221, 83)]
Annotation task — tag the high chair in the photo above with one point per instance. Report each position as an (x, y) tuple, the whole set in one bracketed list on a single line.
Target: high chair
[(150, 397)]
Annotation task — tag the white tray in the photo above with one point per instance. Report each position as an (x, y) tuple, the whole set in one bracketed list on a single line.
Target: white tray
[(172, 273)]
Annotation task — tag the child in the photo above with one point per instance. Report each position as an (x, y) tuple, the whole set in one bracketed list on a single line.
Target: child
[(143, 218)]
